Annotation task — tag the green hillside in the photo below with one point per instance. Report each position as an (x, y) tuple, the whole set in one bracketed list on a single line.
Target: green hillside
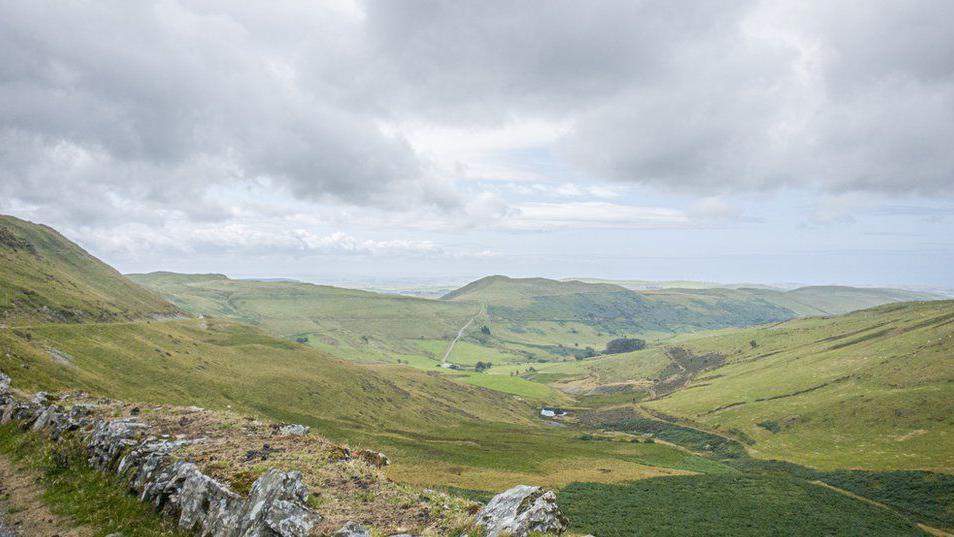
[(46, 278), (358, 325), (802, 302), (871, 389)]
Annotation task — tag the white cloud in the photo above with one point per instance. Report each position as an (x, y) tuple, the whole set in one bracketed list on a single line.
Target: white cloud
[(544, 216)]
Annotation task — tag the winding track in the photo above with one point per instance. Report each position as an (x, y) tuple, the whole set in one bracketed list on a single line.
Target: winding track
[(459, 334)]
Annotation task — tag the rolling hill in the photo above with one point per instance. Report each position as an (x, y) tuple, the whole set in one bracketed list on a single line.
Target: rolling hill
[(871, 389), (47, 278), (866, 390), (437, 431)]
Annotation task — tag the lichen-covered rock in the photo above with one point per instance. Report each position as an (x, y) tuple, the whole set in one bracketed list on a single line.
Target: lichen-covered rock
[(521, 510), (277, 503), (110, 439), (352, 529), (294, 430), (4, 384), (206, 506), (276, 506)]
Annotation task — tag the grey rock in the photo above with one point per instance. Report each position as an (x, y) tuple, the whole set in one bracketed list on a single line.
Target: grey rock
[(42, 398), (4, 383), (276, 506), (521, 510), (294, 430), (110, 439), (352, 529)]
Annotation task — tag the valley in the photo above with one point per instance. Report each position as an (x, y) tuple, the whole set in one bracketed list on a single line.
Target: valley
[(834, 424)]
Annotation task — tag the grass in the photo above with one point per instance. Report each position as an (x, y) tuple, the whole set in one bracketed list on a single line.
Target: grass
[(873, 389), (437, 432), (466, 353), (72, 489), (45, 277), (517, 386), (727, 505)]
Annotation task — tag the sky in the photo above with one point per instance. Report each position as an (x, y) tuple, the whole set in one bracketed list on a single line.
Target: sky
[(369, 143)]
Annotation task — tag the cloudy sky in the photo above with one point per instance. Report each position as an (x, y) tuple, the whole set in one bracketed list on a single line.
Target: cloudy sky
[(771, 141)]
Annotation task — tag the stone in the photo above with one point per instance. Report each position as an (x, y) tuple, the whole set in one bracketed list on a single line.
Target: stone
[(521, 510), (4, 383), (110, 439), (277, 503), (42, 398), (352, 529), (294, 430), (373, 458)]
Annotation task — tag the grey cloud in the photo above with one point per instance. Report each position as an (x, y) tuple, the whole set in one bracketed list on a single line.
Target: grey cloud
[(843, 96), (156, 101), (115, 108)]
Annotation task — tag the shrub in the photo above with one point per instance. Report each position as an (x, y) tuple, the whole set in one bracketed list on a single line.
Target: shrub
[(624, 344)]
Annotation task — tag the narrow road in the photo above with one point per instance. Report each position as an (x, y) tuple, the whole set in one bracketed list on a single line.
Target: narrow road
[(459, 334)]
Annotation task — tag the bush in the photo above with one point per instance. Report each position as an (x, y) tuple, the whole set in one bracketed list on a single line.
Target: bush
[(625, 344)]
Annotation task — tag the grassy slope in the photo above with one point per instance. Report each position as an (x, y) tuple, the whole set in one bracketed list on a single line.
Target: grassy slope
[(804, 301), (438, 432), (872, 389), (45, 277), (357, 325)]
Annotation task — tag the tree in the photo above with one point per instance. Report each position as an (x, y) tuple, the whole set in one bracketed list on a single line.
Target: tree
[(485, 330), (479, 367), (624, 344)]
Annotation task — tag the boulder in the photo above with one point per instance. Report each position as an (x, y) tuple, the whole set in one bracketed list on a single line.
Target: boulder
[(4, 383), (111, 439), (352, 529), (521, 510), (276, 506), (294, 430)]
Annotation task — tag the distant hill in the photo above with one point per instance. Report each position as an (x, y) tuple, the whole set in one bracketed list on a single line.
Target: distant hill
[(615, 308), (359, 325), (44, 277), (802, 300)]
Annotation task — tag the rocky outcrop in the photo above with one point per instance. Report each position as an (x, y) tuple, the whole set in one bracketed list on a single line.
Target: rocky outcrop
[(151, 466), (521, 510), (275, 507)]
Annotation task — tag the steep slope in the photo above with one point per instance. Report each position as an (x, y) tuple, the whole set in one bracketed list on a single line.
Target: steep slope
[(46, 278), (871, 389)]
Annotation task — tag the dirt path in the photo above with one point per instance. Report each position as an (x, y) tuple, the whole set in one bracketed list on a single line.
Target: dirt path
[(459, 334), (924, 527), (22, 513)]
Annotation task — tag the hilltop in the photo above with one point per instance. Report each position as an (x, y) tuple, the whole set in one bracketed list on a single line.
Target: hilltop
[(45, 277), (803, 301)]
